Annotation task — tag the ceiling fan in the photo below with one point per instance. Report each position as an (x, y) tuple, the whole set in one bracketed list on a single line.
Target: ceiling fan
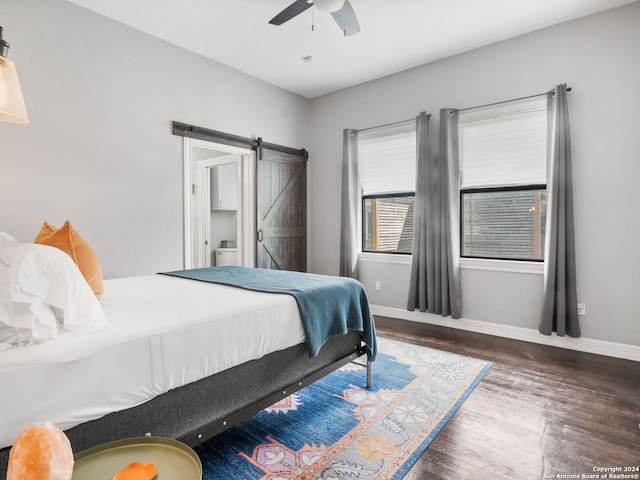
[(341, 11)]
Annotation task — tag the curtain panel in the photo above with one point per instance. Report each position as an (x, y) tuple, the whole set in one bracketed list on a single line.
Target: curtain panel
[(435, 267), (559, 295), (349, 205)]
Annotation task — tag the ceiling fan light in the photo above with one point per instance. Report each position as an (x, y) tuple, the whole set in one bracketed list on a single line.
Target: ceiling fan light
[(329, 6)]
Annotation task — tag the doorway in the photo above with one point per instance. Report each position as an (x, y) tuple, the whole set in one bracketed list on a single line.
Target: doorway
[(219, 204)]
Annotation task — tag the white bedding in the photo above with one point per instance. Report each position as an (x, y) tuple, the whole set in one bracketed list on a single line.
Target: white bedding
[(164, 332)]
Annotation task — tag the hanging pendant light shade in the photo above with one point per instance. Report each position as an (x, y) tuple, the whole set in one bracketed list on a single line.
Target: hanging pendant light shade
[(12, 107)]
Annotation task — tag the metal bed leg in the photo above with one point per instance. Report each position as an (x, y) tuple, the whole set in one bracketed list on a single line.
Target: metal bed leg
[(369, 374)]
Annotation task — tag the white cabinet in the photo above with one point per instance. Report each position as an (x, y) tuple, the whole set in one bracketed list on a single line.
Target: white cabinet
[(224, 187)]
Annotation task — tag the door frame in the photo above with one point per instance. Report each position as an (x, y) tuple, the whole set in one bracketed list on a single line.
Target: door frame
[(197, 197)]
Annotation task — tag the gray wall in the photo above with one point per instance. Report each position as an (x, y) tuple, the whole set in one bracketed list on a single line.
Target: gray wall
[(99, 149), (599, 57)]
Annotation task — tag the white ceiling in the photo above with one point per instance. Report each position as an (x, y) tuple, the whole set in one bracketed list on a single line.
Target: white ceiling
[(395, 34)]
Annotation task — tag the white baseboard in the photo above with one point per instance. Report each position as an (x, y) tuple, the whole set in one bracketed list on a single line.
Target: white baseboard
[(589, 345)]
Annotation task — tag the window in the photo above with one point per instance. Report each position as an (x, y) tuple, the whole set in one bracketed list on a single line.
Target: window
[(503, 180), (387, 168)]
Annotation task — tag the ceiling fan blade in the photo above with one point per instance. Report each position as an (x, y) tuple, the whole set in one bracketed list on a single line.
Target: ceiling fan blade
[(346, 19), (296, 8)]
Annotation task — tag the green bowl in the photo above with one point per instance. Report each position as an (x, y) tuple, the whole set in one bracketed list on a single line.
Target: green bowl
[(174, 460)]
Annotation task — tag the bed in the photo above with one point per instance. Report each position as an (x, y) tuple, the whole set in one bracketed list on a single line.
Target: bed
[(176, 357)]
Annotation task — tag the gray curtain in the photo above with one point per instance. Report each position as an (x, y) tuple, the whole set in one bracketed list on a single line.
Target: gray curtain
[(349, 211), (435, 267), (559, 296)]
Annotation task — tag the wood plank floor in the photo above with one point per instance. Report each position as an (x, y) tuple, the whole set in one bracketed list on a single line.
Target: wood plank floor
[(541, 412)]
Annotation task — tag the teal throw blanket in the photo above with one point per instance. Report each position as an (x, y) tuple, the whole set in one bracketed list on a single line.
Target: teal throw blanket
[(328, 305)]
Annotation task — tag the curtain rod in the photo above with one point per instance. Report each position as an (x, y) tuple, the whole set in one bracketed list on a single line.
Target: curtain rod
[(460, 110), (388, 124), (508, 101)]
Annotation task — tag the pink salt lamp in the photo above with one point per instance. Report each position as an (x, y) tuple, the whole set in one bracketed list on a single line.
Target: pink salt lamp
[(41, 453)]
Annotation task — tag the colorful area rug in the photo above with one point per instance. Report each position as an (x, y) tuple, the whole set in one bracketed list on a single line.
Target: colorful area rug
[(336, 428)]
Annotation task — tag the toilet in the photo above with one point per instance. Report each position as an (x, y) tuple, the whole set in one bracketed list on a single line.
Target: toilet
[(226, 256)]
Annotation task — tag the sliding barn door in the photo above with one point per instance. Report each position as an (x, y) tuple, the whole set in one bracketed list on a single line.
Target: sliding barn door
[(281, 211)]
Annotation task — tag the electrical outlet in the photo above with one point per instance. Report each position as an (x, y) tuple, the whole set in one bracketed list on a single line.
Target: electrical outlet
[(582, 308), (378, 285)]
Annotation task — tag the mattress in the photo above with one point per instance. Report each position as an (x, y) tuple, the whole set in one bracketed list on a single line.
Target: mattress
[(164, 332)]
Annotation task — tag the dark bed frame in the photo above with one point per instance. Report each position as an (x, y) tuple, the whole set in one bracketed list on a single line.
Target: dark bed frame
[(200, 410)]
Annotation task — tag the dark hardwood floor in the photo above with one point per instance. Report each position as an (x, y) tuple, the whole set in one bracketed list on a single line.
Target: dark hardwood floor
[(541, 412)]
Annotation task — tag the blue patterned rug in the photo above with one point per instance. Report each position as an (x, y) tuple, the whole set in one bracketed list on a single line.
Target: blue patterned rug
[(336, 428)]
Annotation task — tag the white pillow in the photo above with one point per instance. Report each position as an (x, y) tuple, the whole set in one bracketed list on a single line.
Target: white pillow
[(6, 238), (22, 323), (48, 281), (12, 315)]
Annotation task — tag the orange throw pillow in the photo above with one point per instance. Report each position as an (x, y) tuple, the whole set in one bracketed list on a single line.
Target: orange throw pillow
[(67, 239)]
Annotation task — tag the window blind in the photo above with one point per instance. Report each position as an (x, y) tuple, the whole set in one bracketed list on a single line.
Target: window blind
[(506, 224), (387, 159), (504, 146), (503, 151)]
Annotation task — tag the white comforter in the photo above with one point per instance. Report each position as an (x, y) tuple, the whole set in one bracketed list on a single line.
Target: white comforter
[(164, 332)]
